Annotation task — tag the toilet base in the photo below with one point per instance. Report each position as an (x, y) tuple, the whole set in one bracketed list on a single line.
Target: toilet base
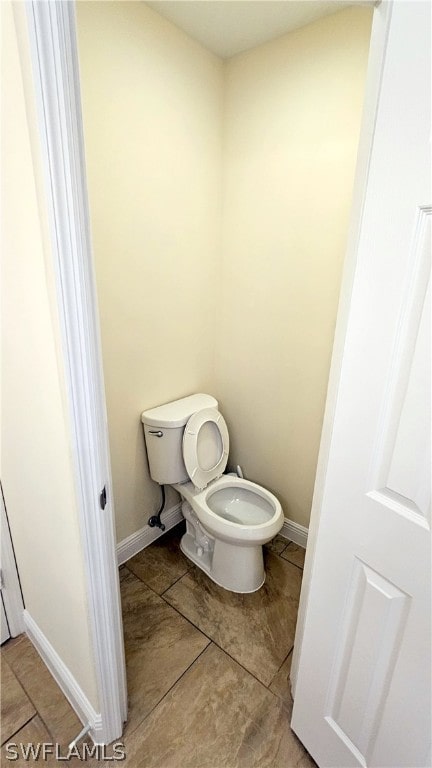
[(235, 568)]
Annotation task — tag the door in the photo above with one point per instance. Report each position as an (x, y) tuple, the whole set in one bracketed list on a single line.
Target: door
[(362, 695)]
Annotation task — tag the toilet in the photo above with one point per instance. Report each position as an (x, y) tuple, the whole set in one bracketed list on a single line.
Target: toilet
[(228, 518)]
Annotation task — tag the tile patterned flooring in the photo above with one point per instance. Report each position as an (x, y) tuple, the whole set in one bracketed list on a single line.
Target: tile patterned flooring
[(33, 708), (207, 669)]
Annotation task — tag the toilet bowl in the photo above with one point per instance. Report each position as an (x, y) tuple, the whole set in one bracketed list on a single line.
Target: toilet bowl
[(236, 517), (228, 519)]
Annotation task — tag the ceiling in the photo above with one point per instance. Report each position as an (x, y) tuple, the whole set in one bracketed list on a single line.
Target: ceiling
[(227, 27)]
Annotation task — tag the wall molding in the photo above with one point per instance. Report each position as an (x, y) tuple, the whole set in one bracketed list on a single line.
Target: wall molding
[(137, 541), (141, 539), (64, 678), (294, 532)]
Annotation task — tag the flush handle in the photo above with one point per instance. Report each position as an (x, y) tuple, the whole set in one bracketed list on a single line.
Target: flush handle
[(156, 432)]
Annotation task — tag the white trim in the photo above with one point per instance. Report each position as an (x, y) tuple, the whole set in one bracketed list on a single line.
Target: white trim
[(54, 57), (63, 677), (11, 588), (377, 51), (294, 532), (137, 541)]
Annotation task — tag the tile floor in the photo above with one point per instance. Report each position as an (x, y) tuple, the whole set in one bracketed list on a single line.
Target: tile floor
[(207, 669), (33, 708)]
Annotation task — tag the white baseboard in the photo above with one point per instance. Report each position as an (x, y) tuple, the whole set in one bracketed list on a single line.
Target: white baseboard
[(295, 532), (64, 679), (142, 538)]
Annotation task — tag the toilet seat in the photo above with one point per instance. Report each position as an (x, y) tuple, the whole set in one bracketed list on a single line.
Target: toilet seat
[(193, 446)]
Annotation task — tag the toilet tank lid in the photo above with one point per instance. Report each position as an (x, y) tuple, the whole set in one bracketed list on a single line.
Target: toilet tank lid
[(177, 413)]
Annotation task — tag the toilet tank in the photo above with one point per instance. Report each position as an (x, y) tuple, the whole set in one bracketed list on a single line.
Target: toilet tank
[(163, 432)]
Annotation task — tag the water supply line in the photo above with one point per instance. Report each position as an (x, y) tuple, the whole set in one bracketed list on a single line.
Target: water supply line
[(155, 520)]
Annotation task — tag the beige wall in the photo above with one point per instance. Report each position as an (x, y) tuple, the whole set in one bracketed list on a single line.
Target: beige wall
[(292, 119), (36, 467), (152, 121), (157, 108)]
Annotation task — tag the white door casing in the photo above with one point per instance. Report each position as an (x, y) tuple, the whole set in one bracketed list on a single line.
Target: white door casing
[(363, 687), (54, 59)]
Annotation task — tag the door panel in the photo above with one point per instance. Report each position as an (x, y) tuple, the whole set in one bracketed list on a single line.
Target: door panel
[(401, 467), (364, 679), (373, 625)]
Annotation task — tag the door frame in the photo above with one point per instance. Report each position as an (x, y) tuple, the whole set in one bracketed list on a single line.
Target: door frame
[(54, 63), (376, 61)]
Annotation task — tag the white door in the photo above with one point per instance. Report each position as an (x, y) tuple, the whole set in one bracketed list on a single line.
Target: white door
[(363, 687)]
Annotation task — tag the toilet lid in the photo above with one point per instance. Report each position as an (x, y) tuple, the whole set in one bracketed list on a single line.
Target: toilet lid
[(205, 446)]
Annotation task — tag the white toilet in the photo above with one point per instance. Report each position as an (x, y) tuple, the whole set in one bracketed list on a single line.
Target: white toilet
[(228, 519)]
